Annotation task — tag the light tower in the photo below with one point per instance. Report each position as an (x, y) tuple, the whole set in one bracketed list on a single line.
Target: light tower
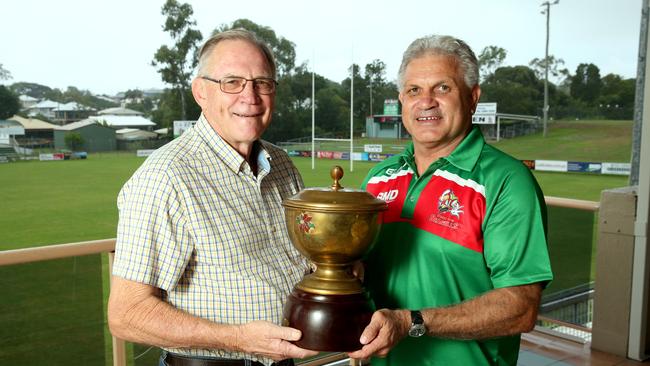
[(546, 11)]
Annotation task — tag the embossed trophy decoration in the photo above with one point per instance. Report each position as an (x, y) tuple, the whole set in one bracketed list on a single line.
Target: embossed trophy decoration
[(333, 227)]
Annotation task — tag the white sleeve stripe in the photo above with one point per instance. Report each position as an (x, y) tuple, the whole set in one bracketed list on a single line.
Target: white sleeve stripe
[(386, 178)]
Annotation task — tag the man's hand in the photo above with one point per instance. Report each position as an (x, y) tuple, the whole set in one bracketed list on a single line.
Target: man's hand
[(136, 313), (386, 329), (269, 340)]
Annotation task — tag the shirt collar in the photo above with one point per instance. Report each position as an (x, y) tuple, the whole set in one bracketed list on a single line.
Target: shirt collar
[(465, 155), (227, 153)]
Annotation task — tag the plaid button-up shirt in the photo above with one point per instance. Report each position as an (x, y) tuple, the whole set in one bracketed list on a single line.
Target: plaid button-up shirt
[(196, 222)]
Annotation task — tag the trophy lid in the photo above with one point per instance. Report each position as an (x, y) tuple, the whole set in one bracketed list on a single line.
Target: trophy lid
[(335, 198)]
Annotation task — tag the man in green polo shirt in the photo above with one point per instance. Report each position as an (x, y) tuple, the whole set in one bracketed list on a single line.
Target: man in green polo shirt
[(461, 260)]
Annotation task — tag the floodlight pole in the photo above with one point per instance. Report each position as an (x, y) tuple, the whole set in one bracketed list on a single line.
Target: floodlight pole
[(548, 17), (370, 97), (352, 113)]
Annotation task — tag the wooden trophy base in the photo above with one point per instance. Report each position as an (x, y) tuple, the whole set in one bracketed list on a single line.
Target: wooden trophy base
[(330, 323)]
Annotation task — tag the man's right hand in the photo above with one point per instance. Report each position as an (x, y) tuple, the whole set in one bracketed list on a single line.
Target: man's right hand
[(270, 340)]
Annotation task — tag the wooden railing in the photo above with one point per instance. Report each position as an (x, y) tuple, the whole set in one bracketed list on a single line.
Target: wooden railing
[(36, 254)]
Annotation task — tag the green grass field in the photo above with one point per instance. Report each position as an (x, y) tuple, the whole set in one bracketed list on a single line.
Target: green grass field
[(57, 307)]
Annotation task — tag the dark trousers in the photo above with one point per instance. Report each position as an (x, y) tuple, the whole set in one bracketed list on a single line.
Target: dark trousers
[(172, 359)]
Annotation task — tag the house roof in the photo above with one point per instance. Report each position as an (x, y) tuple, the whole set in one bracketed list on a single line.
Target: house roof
[(9, 123), (45, 104), (123, 121), (72, 106), (126, 130), (27, 98), (33, 123), (12, 128), (77, 125), (119, 111), (135, 134)]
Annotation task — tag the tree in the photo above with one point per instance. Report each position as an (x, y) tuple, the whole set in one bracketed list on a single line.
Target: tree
[(616, 99), (169, 109), (133, 94), (516, 89), (283, 49), (73, 140), (586, 83), (9, 103), (4, 73), (490, 59), (555, 68), (35, 90), (177, 63), (375, 78)]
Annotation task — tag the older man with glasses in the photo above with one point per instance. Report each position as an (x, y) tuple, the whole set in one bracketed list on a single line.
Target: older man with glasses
[(203, 263)]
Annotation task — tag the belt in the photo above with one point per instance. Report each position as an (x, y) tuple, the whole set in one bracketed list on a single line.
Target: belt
[(180, 360)]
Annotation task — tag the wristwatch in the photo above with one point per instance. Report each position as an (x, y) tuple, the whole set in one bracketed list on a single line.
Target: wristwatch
[(417, 324)]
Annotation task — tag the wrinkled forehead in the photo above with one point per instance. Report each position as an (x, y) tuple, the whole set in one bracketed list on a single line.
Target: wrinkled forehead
[(433, 64)]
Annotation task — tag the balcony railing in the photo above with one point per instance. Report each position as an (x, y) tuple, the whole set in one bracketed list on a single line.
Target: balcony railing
[(119, 354)]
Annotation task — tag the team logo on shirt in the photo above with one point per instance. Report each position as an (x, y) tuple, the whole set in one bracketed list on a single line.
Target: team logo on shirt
[(449, 203), (304, 223)]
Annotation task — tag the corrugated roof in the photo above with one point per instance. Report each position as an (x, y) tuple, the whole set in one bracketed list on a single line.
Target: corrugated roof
[(46, 104), (136, 135), (33, 123), (76, 125), (72, 106), (119, 111), (123, 121)]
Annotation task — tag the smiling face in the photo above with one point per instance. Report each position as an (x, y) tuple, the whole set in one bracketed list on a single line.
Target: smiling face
[(437, 105), (240, 119)]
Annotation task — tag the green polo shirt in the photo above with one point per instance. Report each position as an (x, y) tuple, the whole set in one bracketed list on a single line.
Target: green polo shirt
[(474, 221)]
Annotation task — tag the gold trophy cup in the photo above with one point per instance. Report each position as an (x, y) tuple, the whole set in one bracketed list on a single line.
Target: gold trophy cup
[(333, 227)]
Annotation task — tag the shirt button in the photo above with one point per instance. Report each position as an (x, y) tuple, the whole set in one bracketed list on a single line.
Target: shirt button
[(412, 199)]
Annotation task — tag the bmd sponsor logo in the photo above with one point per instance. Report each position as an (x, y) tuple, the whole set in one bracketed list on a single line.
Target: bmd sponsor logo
[(388, 196)]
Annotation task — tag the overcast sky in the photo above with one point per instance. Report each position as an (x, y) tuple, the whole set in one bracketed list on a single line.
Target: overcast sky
[(107, 46)]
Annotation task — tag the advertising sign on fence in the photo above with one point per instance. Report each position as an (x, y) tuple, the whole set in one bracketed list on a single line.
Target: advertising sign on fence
[(49, 157), (551, 165), (144, 152), (616, 168), (583, 167), (372, 148)]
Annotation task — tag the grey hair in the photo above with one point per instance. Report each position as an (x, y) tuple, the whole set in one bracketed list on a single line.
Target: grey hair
[(238, 34), (441, 45)]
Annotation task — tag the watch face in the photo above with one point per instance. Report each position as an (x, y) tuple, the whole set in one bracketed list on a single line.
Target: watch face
[(417, 330)]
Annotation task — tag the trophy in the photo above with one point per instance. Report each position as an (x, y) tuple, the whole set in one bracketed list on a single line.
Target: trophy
[(333, 227)]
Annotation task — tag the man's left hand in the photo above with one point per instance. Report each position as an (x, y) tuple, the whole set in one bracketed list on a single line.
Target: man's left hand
[(386, 329)]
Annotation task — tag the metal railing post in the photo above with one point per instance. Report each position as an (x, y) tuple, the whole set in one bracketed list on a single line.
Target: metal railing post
[(119, 345)]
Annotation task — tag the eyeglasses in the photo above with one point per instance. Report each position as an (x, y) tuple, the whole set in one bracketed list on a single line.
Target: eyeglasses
[(235, 84)]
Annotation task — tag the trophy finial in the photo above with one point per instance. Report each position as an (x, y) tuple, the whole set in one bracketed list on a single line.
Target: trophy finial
[(336, 173)]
